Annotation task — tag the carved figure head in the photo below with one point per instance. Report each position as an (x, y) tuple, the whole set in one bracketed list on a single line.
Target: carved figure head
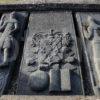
[(12, 15)]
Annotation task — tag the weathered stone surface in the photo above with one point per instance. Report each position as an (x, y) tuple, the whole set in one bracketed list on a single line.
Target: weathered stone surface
[(65, 80), (39, 80), (25, 97), (8, 28), (55, 80), (50, 1), (89, 25), (6, 71), (50, 45)]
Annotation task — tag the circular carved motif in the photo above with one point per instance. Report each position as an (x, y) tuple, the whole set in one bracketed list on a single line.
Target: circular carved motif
[(39, 80)]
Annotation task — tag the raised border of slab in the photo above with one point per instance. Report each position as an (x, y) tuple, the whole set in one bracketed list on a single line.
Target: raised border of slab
[(51, 7), (50, 1), (81, 7), (10, 97)]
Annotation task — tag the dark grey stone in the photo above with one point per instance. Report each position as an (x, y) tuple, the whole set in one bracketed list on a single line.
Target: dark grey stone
[(50, 45), (7, 44), (39, 80), (55, 80), (89, 27)]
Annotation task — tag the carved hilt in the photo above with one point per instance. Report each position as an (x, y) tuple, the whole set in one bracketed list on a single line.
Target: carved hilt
[(88, 28)]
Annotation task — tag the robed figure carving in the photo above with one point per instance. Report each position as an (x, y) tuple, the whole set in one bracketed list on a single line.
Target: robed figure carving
[(92, 34), (8, 27)]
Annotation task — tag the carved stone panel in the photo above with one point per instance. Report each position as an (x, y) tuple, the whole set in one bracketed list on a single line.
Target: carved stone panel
[(89, 27), (12, 27), (50, 63)]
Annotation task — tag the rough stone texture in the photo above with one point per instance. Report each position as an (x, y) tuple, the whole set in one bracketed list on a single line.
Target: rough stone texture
[(7, 42), (54, 80), (11, 97), (49, 1), (65, 80), (88, 23), (64, 1), (39, 80), (50, 45)]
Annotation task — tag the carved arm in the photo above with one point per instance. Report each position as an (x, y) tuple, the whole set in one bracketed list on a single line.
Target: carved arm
[(15, 27), (2, 23)]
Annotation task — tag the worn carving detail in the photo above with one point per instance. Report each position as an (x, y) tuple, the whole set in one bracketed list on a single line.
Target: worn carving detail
[(37, 78), (48, 49), (2, 80), (93, 33), (11, 29), (50, 58), (8, 27)]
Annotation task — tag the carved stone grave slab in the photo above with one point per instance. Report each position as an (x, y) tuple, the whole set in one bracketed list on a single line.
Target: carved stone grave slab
[(50, 63), (89, 27), (12, 26)]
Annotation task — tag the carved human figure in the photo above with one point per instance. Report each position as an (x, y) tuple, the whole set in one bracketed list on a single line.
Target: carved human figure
[(92, 33), (7, 27)]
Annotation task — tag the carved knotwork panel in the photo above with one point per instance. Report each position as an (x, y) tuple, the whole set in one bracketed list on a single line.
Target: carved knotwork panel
[(49, 48), (50, 60)]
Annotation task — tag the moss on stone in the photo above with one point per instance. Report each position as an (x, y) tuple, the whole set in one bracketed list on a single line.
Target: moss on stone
[(8, 1)]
